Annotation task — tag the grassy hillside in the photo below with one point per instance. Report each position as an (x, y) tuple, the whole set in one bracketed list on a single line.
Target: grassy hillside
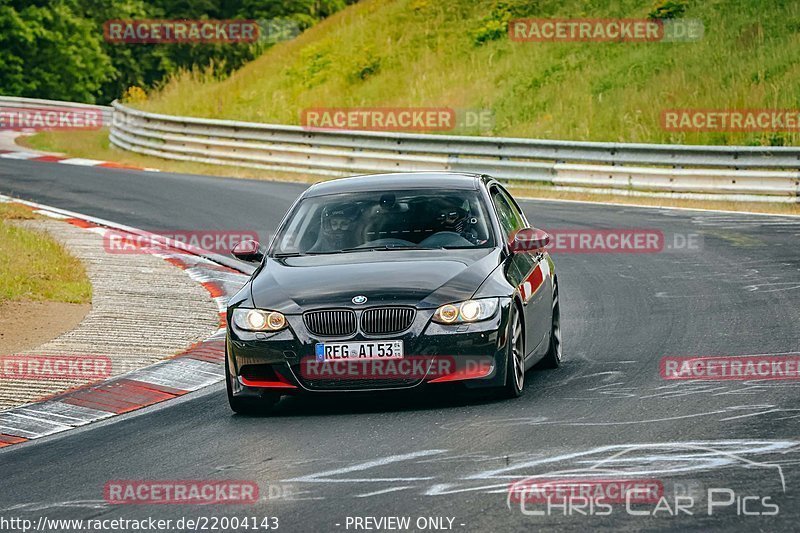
[(458, 54)]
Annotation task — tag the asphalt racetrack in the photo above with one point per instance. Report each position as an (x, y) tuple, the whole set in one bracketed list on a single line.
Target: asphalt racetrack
[(321, 462)]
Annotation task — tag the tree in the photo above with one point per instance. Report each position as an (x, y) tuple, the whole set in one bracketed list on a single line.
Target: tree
[(55, 48), (48, 51)]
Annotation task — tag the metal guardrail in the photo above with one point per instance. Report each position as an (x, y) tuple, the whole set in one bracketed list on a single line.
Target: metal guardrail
[(753, 173), (736, 172), (31, 103)]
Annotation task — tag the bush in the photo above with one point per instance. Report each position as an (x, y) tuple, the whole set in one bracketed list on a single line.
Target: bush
[(669, 9), (494, 26), (134, 95)]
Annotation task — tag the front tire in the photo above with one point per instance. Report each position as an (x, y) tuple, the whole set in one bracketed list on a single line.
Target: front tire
[(515, 360), (554, 353), (261, 405)]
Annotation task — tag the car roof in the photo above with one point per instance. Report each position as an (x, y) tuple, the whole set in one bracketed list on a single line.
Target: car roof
[(397, 181)]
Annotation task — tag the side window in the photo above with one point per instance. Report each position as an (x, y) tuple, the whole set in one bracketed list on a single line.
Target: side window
[(510, 219), (515, 208)]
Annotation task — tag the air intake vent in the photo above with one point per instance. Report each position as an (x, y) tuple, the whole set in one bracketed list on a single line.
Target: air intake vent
[(386, 320), (331, 323)]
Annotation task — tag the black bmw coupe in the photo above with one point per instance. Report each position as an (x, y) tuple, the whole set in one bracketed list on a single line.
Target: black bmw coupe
[(394, 281)]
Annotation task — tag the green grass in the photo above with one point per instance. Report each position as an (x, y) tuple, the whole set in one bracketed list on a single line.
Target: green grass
[(34, 267), (457, 54)]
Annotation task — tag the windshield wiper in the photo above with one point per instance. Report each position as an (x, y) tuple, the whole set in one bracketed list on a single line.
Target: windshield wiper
[(281, 255), (383, 248)]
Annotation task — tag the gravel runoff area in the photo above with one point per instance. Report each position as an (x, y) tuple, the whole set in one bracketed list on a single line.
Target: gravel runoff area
[(144, 309)]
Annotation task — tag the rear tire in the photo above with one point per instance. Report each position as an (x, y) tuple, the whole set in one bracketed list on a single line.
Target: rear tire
[(554, 354), (249, 406), (515, 359)]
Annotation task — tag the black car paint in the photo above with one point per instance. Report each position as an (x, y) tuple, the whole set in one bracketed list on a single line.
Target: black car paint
[(426, 280), (423, 278)]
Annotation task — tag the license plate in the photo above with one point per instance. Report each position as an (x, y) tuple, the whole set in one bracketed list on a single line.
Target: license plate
[(350, 351)]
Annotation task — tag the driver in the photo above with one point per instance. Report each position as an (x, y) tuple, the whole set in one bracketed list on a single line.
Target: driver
[(452, 219), (453, 216), (455, 227), (336, 228)]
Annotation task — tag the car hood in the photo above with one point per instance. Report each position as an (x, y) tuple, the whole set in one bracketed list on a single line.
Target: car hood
[(422, 278)]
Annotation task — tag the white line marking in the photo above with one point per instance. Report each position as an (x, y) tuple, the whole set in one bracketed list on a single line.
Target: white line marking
[(384, 491), (81, 162), (617, 204), (50, 214), (19, 155), (320, 477)]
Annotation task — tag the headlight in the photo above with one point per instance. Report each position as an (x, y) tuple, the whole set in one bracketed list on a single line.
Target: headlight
[(468, 311), (258, 320)]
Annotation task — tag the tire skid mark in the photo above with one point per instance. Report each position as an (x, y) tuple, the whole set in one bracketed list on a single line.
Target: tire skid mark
[(437, 472)]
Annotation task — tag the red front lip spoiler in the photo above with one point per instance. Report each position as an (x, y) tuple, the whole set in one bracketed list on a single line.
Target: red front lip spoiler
[(482, 371), (265, 384)]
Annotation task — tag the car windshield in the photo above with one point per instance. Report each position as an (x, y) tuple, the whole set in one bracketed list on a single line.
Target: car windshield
[(386, 220)]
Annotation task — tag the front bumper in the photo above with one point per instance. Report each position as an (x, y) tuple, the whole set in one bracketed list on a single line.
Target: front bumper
[(283, 362)]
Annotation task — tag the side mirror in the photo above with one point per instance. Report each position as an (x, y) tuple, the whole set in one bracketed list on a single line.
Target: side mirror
[(249, 251), (528, 240)]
